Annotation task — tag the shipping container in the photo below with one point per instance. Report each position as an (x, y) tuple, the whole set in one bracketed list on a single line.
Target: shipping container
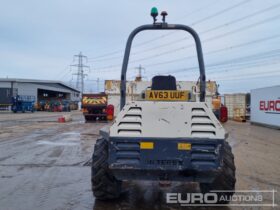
[(265, 106), (236, 105)]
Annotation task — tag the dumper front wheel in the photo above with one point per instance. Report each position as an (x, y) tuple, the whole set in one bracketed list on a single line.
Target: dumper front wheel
[(104, 185), (224, 183)]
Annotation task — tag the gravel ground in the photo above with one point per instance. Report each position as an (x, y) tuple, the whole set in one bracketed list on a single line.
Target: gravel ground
[(45, 165)]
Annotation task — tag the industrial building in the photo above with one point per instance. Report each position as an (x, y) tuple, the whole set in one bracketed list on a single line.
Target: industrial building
[(40, 89)]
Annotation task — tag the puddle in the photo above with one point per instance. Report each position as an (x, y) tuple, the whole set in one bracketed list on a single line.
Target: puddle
[(63, 139), (61, 143), (71, 133)]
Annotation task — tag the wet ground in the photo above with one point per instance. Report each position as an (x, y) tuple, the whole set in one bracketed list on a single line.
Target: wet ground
[(45, 165)]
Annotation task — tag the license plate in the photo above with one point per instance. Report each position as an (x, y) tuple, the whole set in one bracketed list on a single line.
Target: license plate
[(167, 95)]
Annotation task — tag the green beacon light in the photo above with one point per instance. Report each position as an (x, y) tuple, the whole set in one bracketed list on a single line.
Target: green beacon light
[(154, 13)]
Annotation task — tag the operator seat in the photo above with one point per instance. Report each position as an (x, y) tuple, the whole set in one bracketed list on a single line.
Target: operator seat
[(164, 83)]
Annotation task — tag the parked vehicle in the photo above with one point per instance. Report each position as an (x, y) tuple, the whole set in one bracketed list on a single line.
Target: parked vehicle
[(165, 137), (23, 103), (65, 105), (219, 109), (265, 106), (95, 107)]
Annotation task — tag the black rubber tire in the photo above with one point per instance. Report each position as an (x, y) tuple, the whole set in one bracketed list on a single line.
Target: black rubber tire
[(104, 185), (225, 180), (88, 118)]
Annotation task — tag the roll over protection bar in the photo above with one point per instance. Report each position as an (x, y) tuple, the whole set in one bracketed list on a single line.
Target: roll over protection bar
[(162, 26)]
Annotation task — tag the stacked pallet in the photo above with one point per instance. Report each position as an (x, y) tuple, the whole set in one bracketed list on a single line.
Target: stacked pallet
[(239, 115)]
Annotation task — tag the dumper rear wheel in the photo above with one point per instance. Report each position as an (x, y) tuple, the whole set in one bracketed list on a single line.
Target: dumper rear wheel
[(104, 185), (225, 181)]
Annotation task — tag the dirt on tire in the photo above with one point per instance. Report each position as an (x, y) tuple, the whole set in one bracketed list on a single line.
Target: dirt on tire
[(104, 185), (225, 181)]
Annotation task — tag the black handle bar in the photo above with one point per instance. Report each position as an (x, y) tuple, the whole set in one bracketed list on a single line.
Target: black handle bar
[(163, 26)]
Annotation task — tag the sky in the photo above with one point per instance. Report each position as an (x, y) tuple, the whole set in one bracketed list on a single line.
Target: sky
[(240, 40)]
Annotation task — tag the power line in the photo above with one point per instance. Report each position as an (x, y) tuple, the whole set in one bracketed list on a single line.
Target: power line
[(198, 10), (59, 74), (66, 73), (220, 12), (243, 76), (251, 61), (237, 63), (191, 45), (246, 76), (218, 50), (162, 36), (228, 67), (244, 28), (206, 40), (240, 67), (259, 56), (198, 21), (211, 29)]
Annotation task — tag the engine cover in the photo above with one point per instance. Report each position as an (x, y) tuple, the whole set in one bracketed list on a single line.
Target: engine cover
[(158, 119)]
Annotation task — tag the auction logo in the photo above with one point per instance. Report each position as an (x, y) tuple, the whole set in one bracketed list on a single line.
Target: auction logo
[(270, 106), (249, 198)]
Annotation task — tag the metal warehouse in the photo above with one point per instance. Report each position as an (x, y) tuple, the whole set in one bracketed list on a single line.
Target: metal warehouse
[(40, 89)]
